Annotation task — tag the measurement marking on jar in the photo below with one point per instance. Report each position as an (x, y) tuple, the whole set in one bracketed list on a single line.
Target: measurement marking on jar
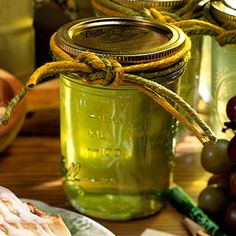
[(109, 118), (97, 134), (108, 152)]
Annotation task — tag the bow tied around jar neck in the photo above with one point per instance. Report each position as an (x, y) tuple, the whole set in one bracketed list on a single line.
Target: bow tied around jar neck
[(93, 69)]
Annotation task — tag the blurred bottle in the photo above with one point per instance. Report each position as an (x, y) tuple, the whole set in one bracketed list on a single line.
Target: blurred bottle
[(223, 85), (17, 38)]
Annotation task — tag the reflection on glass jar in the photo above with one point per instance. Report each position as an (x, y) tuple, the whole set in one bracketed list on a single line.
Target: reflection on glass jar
[(223, 86), (223, 71), (190, 80), (117, 144)]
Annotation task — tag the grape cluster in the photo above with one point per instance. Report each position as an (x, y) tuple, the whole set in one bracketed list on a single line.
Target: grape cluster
[(218, 198)]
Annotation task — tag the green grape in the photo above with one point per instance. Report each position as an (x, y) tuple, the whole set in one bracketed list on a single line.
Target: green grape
[(232, 184), (230, 218), (213, 200), (218, 199), (220, 180), (232, 149), (214, 157), (231, 109)]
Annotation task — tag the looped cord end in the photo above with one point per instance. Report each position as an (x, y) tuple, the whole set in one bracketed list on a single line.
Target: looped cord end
[(5, 112), (3, 119)]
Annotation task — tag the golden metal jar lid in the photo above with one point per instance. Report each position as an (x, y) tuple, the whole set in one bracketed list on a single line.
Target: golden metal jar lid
[(127, 39), (224, 11), (162, 5)]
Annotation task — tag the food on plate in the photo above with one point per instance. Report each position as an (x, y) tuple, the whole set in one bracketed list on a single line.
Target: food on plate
[(21, 218)]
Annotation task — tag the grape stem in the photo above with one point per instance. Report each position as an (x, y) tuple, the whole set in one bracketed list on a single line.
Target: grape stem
[(230, 125)]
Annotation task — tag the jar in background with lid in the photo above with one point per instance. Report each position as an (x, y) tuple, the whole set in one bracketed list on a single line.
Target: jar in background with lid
[(188, 89), (17, 47), (117, 144), (223, 70)]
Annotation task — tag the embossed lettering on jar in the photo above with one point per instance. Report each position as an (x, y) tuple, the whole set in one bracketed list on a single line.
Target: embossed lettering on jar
[(117, 144)]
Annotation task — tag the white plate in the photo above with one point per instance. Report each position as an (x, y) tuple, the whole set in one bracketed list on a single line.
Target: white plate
[(78, 224)]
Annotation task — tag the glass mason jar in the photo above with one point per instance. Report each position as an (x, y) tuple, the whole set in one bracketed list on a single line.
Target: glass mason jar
[(190, 79), (117, 144), (223, 70), (17, 48)]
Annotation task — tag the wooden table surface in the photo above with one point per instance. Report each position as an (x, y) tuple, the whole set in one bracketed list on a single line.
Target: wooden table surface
[(30, 167)]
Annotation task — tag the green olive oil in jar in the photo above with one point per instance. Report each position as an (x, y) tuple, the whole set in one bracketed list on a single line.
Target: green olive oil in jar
[(117, 144), (223, 85)]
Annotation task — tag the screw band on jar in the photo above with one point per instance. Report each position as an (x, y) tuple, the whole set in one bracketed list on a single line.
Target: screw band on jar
[(161, 5), (127, 7)]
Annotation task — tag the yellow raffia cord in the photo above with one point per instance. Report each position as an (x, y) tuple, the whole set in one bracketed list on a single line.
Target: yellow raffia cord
[(157, 92), (158, 15), (105, 10), (163, 62), (158, 99), (225, 34), (58, 66), (193, 22), (172, 98)]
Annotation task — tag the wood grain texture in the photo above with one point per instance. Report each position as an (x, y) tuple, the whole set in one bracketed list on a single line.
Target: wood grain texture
[(30, 167)]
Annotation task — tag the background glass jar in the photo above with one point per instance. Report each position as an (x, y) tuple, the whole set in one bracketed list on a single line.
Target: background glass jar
[(117, 144), (223, 70), (17, 48), (190, 80)]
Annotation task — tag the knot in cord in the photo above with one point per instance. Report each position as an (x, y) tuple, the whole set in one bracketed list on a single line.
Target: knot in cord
[(106, 71), (89, 67)]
